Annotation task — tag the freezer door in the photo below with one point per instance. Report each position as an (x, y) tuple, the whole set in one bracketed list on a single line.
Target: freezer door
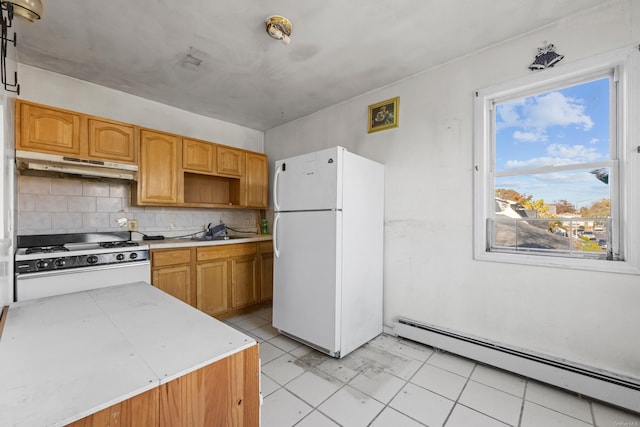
[(306, 288), (309, 182)]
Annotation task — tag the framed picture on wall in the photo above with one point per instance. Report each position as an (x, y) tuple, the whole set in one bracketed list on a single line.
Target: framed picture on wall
[(384, 115)]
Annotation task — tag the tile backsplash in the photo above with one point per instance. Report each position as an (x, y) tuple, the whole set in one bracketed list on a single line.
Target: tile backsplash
[(49, 205)]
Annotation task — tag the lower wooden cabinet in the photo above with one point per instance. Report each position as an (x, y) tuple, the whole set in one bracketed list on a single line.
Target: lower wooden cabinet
[(172, 271), (233, 268), (220, 280), (225, 393), (265, 250), (244, 281), (212, 279)]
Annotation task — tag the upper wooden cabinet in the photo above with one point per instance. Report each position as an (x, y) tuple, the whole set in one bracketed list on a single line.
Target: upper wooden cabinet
[(198, 156), (256, 181), (230, 161), (158, 175), (172, 170), (112, 141), (67, 133), (47, 130)]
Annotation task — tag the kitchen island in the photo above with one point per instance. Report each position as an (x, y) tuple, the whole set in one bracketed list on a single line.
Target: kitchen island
[(130, 354)]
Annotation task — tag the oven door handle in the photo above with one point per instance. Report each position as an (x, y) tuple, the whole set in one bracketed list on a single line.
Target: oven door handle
[(52, 273)]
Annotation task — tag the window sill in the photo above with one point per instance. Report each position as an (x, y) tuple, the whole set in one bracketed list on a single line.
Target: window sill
[(621, 267)]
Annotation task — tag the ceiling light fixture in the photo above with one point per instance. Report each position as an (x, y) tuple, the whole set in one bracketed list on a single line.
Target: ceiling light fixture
[(31, 10), (279, 28)]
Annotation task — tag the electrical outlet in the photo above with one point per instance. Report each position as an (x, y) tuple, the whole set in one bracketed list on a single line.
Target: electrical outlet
[(132, 225)]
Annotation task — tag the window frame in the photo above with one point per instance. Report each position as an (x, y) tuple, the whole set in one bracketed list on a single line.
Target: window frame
[(625, 65)]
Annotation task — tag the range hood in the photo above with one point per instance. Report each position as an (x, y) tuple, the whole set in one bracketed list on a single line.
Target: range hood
[(40, 162)]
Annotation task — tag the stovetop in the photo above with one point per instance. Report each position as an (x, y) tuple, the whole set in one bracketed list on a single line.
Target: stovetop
[(63, 251)]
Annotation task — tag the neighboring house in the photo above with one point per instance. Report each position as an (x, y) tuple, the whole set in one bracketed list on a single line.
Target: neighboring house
[(511, 209)]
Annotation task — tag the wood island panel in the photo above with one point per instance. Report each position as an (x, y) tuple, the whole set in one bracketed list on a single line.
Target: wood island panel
[(223, 394), (142, 410)]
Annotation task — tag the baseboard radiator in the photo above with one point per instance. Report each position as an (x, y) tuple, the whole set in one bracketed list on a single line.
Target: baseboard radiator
[(591, 382)]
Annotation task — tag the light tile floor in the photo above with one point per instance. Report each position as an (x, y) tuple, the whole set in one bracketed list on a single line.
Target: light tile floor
[(392, 382)]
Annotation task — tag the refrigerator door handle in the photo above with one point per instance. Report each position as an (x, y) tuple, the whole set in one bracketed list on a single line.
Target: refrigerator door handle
[(276, 206), (276, 252)]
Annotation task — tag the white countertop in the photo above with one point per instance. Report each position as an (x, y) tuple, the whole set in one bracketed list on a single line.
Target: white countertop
[(182, 242), (65, 357)]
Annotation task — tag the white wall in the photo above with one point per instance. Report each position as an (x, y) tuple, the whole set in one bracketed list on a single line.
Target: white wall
[(430, 276), (7, 197), (61, 91)]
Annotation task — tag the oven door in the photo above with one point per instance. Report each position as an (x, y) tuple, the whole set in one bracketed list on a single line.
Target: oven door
[(49, 283)]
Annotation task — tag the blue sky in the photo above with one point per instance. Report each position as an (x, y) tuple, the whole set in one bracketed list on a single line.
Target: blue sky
[(562, 127)]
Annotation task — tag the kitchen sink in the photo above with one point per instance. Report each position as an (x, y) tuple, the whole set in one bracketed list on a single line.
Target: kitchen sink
[(207, 239)]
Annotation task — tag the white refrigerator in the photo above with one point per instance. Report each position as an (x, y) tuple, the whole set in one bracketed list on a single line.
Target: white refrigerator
[(328, 249)]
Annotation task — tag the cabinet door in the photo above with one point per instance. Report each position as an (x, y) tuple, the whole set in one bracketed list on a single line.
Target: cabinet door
[(48, 130), (230, 161), (198, 156), (175, 281), (158, 172), (112, 141), (266, 276), (256, 181), (212, 281), (244, 289)]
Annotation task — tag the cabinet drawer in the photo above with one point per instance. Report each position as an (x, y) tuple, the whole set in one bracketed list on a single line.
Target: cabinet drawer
[(161, 257), (265, 247), (226, 251)]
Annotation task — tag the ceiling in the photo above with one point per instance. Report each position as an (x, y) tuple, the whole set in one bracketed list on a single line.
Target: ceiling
[(339, 49)]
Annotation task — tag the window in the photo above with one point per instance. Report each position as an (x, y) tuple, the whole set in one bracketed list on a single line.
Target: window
[(554, 167)]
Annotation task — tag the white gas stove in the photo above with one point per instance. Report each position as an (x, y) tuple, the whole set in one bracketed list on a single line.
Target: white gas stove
[(55, 264)]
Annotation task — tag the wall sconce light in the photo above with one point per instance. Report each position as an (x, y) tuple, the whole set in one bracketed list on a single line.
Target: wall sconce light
[(279, 28)]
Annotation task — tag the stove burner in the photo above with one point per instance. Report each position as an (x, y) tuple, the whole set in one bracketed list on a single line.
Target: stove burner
[(118, 244), (46, 249)]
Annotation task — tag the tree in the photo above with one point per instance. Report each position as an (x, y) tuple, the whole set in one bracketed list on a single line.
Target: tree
[(526, 201), (562, 206), (599, 209)]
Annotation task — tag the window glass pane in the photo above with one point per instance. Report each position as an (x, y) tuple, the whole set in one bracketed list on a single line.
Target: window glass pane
[(561, 236), (560, 127), (581, 191), (577, 221)]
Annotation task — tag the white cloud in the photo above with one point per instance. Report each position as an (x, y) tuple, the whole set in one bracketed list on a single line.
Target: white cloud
[(537, 162), (579, 153), (536, 114), (594, 141), (554, 108), (509, 114), (529, 136), (558, 155)]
